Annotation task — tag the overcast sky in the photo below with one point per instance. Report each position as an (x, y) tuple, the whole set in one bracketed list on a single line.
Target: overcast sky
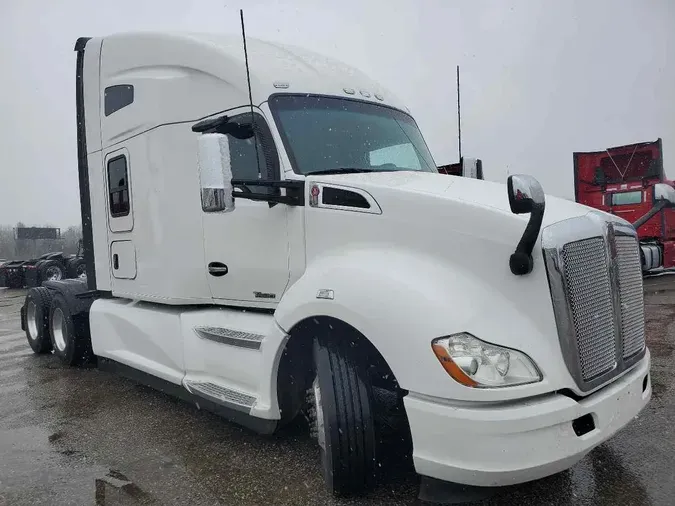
[(539, 79)]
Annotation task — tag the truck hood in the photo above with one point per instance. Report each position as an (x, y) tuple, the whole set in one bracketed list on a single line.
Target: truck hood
[(472, 192), (437, 260)]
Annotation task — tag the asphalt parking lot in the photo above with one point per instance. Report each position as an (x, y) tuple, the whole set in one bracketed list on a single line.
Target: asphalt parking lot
[(82, 436)]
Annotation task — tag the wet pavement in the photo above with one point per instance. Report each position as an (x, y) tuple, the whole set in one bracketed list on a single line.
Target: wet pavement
[(66, 433)]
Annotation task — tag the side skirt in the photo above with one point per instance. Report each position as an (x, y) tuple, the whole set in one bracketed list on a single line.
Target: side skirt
[(258, 425)]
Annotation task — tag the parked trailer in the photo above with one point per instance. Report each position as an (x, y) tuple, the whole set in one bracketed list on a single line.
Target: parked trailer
[(627, 181), (299, 253), (48, 267)]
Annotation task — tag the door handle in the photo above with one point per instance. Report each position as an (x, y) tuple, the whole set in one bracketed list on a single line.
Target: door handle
[(217, 269), (116, 261)]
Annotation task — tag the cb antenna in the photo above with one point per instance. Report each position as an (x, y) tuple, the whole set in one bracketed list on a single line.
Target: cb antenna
[(250, 94), (459, 120)]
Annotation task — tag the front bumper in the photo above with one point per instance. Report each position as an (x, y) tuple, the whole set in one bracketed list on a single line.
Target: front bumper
[(515, 442)]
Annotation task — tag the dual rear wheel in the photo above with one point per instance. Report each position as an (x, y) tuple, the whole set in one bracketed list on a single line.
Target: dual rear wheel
[(51, 326)]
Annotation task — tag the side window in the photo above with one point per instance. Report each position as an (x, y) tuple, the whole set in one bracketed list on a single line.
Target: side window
[(401, 155), (116, 97), (118, 186), (254, 157), (625, 198)]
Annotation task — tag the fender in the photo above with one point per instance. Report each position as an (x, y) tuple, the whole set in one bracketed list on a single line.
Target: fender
[(76, 293), (401, 300)]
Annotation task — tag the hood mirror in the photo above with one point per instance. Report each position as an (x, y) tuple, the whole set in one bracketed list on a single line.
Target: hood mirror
[(664, 196), (525, 193), (664, 192), (526, 196)]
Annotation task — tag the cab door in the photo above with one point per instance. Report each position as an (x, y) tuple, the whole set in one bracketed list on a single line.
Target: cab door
[(120, 215), (246, 250)]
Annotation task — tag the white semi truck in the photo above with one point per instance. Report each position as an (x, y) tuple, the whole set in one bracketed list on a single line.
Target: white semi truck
[(289, 248)]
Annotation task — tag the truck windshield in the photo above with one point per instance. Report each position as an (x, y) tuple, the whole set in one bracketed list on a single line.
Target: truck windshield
[(625, 198), (325, 134)]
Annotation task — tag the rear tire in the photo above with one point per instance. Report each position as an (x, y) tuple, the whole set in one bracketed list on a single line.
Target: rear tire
[(69, 333), (344, 419), (38, 302), (77, 268), (50, 270)]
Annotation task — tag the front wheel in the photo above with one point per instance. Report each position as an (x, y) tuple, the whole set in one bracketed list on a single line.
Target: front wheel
[(343, 419)]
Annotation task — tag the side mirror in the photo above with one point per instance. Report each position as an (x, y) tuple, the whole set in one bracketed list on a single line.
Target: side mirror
[(472, 168), (664, 196), (664, 192), (525, 193), (215, 173), (526, 196)]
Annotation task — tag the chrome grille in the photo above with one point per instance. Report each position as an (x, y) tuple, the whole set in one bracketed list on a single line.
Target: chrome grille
[(595, 277), (590, 299), (631, 296)]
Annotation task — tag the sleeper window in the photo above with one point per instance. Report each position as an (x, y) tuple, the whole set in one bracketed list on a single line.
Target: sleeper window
[(117, 97)]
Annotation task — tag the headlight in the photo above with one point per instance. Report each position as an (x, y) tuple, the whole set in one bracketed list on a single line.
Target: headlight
[(478, 364)]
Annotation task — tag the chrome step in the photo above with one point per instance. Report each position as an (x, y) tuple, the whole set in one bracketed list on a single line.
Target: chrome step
[(230, 336), (221, 395)]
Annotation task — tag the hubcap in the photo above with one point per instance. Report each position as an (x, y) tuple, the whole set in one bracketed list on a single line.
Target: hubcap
[(59, 329), (31, 320), (53, 273), (321, 436)]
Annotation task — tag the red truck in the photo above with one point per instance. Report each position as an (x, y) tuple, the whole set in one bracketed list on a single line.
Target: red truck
[(467, 167), (624, 181)]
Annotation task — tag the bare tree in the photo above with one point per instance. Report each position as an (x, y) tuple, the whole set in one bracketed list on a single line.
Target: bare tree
[(11, 248)]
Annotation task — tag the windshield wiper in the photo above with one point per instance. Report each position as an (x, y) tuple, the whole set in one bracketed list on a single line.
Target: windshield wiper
[(341, 170)]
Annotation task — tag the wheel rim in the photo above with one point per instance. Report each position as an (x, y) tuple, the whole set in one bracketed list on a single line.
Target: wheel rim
[(53, 273), (318, 407), (59, 329), (31, 320), (81, 271)]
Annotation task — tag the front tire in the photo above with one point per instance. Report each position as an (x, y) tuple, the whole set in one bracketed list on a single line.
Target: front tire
[(69, 333), (343, 418), (38, 301)]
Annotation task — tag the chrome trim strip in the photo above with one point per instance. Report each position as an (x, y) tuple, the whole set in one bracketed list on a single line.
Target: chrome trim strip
[(554, 237), (611, 232), (373, 209), (231, 337)]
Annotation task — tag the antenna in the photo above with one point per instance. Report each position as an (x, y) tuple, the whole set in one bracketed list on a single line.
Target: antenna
[(459, 120), (250, 94)]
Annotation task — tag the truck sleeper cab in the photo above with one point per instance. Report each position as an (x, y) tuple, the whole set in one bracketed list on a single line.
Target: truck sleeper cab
[(301, 254)]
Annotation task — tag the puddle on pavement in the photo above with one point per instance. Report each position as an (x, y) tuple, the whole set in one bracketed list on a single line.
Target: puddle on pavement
[(73, 429)]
